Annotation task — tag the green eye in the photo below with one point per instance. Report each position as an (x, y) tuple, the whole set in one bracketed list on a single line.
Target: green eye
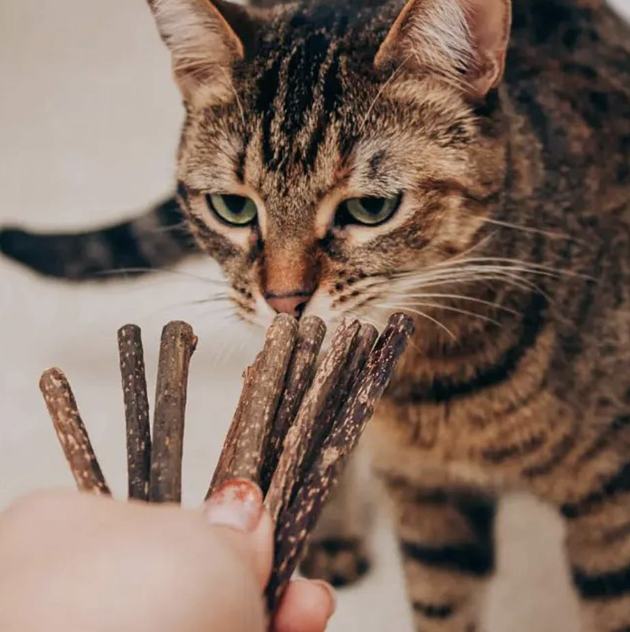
[(369, 211), (235, 210)]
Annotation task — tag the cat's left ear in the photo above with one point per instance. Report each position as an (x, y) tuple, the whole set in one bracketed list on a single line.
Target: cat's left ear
[(462, 40), (205, 39)]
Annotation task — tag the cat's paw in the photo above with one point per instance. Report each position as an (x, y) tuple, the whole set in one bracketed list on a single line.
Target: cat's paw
[(340, 561)]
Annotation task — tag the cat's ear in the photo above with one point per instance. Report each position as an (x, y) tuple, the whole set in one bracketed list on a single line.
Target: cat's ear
[(205, 40), (463, 40)]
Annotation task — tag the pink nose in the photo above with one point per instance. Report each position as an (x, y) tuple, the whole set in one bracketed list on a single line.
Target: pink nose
[(293, 304)]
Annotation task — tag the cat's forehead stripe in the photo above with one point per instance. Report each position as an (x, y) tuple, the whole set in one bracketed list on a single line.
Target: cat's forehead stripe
[(299, 93)]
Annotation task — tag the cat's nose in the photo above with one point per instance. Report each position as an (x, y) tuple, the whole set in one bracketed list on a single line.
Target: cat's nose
[(292, 304)]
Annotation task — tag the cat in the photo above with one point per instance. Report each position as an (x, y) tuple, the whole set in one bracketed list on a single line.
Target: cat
[(465, 161)]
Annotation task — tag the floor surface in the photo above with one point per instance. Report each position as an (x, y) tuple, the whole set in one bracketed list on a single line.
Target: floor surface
[(88, 129)]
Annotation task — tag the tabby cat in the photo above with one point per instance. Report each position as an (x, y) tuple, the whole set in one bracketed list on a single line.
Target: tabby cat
[(465, 161)]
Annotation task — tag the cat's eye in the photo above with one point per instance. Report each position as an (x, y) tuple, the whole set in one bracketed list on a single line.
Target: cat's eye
[(235, 210), (369, 211)]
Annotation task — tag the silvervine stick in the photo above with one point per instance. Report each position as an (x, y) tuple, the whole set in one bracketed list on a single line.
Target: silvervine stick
[(363, 344), (71, 432), (223, 468), (138, 425), (296, 423), (297, 521), (176, 349), (247, 443), (298, 441), (299, 377)]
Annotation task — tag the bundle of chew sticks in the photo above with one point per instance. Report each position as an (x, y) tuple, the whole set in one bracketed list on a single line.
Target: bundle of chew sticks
[(298, 419)]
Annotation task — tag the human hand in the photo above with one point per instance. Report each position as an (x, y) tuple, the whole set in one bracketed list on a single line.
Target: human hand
[(81, 563)]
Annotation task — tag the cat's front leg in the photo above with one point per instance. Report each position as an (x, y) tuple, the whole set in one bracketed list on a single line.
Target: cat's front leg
[(446, 541), (598, 548), (338, 549)]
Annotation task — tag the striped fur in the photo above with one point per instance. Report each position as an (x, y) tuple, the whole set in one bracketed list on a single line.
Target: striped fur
[(158, 238), (511, 245)]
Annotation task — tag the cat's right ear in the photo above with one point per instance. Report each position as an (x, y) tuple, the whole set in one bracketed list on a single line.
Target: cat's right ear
[(205, 40), (463, 41)]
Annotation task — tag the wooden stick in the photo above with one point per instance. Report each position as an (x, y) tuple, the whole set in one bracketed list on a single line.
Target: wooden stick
[(177, 346), (71, 432), (299, 377), (363, 344), (134, 385), (226, 458), (297, 521), (247, 439), (294, 428), (298, 441)]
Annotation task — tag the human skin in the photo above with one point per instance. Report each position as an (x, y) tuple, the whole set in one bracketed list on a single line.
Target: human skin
[(77, 562)]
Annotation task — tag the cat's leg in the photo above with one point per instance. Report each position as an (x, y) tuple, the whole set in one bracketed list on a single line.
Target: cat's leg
[(598, 548), (338, 549), (447, 545), (155, 239)]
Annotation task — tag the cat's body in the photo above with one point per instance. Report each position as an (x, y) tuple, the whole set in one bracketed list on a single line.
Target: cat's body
[(514, 235)]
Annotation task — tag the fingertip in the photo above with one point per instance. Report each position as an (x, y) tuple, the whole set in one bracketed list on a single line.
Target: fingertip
[(306, 607), (330, 592), (237, 515), (237, 504)]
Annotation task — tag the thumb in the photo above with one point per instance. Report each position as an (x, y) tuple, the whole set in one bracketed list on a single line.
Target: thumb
[(237, 515)]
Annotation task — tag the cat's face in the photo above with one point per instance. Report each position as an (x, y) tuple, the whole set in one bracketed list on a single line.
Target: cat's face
[(323, 171)]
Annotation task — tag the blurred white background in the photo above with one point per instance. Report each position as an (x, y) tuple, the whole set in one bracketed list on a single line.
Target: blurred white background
[(89, 123)]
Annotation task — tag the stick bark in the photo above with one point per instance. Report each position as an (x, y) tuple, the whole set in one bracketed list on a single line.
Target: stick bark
[(226, 458), (299, 378), (134, 383), (297, 521), (245, 446), (298, 441), (71, 432), (359, 353), (176, 349)]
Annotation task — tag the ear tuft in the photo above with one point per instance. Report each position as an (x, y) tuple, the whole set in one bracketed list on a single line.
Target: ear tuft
[(464, 41), (203, 44)]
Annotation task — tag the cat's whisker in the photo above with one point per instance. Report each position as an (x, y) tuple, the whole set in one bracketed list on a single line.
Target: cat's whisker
[(458, 297), (196, 303), (419, 313), (237, 99), (450, 308), (359, 313), (202, 301), (479, 245), (476, 277), (419, 281), (376, 280), (475, 272), (381, 90), (362, 316), (184, 226), (224, 311), (529, 229), (180, 305), (212, 299), (388, 278), (497, 263), (519, 263), (431, 274), (156, 271)]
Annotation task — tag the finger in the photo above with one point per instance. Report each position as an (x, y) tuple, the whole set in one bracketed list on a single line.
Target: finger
[(306, 607), (236, 512)]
